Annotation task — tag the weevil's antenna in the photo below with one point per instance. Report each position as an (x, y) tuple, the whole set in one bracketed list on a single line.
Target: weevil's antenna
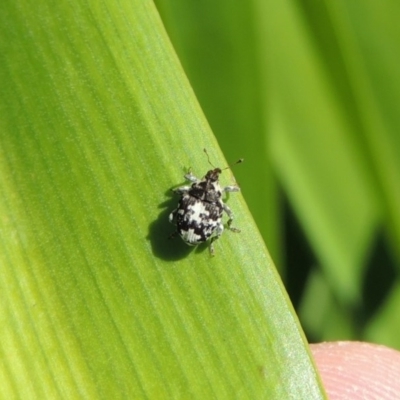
[(228, 167), (231, 165), (208, 158)]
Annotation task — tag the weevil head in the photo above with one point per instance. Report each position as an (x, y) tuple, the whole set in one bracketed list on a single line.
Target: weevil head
[(213, 175)]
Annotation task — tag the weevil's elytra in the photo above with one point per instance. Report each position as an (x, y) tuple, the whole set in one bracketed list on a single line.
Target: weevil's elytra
[(198, 216)]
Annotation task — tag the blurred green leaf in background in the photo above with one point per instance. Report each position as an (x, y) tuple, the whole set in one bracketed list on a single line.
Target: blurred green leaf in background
[(308, 93)]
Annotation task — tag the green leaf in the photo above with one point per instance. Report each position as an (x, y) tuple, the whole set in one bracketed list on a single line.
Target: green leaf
[(383, 328), (335, 146), (98, 122), (314, 152)]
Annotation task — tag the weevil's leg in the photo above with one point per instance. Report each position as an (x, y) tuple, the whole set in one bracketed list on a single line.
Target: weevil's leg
[(181, 190), (212, 252), (173, 235), (218, 233), (172, 215), (171, 219), (230, 215), (231, 188), (191, 178), (184, 189)]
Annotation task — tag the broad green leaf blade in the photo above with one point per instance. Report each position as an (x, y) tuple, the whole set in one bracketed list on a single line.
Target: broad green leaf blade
[(98, 122)]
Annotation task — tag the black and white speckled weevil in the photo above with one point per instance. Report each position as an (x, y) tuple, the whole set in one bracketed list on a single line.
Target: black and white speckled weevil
[(198, 216)]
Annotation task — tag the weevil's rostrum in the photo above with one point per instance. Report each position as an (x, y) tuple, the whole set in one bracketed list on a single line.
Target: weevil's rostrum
[(198, 216)]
